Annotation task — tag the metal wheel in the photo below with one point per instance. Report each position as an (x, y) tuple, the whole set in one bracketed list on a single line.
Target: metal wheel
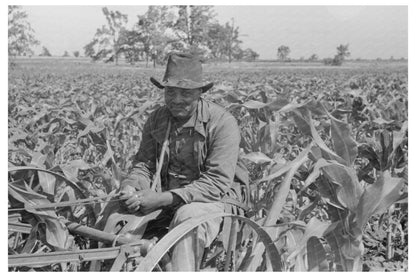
[(150, 261)]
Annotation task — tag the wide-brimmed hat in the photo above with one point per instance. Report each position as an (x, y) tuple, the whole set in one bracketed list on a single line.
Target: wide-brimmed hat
[(183, 71)]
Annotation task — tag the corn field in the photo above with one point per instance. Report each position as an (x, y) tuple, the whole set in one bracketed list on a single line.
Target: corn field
[(326, 149)]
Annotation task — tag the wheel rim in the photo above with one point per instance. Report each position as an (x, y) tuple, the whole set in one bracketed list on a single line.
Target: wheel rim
[(169, 240)]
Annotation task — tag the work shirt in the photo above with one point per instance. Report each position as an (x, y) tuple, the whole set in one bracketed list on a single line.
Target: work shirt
[(200, 164), (182, 168)]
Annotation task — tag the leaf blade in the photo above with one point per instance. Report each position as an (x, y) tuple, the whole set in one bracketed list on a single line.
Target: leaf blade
[(344, 145)]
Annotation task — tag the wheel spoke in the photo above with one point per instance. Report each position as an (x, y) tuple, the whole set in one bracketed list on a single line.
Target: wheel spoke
[(231, 245)]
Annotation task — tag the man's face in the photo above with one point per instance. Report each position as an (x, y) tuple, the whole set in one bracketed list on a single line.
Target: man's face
[(182, 102)]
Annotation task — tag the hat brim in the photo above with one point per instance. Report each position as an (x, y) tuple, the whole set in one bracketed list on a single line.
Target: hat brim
[(179, 84)]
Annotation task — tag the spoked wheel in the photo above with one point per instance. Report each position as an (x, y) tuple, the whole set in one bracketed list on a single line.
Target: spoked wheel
[(232, 258)]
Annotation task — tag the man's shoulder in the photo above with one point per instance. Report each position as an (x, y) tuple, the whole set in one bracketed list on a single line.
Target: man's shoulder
[(220, 119), (216, 111)]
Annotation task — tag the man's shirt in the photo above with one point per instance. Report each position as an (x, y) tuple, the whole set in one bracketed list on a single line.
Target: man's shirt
[(182, 168), (201, 161)]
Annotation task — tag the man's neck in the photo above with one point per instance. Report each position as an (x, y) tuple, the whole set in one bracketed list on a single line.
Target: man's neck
[(181, 121)]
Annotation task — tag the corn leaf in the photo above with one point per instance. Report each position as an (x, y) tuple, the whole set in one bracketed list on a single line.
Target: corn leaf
[(47, 182), (29, 168), (56, 233), (282, 191), (257, 158), (314, 228), (350, 189), (304, 122), (316, 254), (344, 145), (280, 195), (378, 197)]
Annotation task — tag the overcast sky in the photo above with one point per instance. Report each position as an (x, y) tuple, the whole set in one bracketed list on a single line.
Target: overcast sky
[(371, 31)]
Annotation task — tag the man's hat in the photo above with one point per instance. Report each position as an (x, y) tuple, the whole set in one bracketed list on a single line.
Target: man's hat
[(183, 71)]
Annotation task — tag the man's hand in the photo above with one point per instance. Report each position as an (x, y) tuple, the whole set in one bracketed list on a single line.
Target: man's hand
[(126, 189), (125, 193), (147, 201)]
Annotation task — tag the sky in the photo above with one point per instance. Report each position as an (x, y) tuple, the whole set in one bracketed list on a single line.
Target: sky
[(371, 31)]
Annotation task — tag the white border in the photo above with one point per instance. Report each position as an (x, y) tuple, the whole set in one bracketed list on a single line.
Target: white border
[(411, 57)]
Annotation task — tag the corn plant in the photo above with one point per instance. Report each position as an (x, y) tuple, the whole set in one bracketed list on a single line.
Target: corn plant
[(326, 152)]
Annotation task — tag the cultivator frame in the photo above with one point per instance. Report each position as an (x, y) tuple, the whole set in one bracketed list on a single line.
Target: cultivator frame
[(119, 253), (122, 248), (147, 253)]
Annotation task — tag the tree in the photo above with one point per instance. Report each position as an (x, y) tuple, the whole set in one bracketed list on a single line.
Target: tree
[(283, 52), (76, 54), (197, 31), (217, 42), (66, 54), (224, 42), (100, 47), (21, 36), (151, 30), (313, 58), (236, 54), (163, 29), (131, 45), (106, 41), (328, 61), (232, 45), (116, 22), (191, 28), (342, 51), (250, 55), (89, 49), (45, 52)]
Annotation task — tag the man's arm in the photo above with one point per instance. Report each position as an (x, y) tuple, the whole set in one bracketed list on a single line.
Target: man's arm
[(141, 174)]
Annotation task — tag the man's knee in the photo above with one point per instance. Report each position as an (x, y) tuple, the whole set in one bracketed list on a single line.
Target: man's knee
[(208, 230), (194, 210)]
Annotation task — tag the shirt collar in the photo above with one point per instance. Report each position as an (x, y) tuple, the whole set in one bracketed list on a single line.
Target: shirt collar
[(198, 119)]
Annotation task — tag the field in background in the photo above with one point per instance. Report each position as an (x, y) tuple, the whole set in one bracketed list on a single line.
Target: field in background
[(85, 119), (64, 61)]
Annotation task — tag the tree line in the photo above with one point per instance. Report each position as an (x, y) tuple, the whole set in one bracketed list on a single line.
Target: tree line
[(162, 29), (342, 52)]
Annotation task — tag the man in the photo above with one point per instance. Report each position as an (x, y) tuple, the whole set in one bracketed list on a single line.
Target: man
[(199, 166)]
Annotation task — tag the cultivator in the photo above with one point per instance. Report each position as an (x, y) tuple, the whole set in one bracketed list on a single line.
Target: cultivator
[(123, 248), (126, 251)]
